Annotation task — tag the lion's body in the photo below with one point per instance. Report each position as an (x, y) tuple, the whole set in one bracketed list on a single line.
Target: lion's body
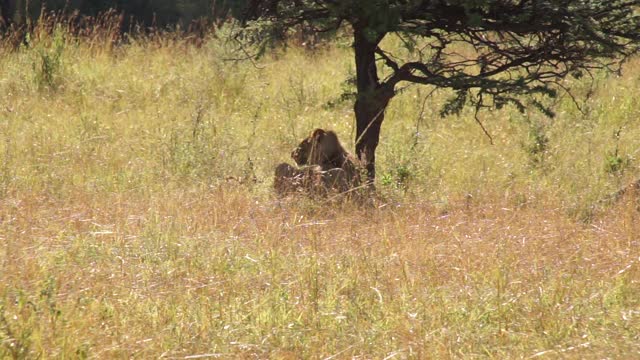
[(289, 179)]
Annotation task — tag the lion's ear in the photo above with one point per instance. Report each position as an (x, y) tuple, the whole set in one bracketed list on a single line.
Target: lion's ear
[(318, 134)]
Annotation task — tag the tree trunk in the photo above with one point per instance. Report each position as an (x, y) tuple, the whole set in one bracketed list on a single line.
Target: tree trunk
[(372, 100)]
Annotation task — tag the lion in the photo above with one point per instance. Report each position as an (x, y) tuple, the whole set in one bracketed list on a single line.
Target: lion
[(322, 148), (325, 167)]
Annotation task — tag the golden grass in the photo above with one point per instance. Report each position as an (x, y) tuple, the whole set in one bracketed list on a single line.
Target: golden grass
[(137, 220), (200, 271)]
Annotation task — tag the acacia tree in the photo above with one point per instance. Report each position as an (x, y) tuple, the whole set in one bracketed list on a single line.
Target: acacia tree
[(489, 52)]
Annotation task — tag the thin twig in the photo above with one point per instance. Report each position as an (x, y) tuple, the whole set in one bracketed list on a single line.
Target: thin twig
[(369, 125), (573, 98), (421, 117), (246, 53), (475, 116)]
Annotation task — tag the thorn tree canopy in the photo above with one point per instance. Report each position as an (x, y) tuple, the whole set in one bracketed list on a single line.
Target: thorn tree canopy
[(514, 49)]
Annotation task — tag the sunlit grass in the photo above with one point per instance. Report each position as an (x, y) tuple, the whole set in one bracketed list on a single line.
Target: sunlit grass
[(137, 219)]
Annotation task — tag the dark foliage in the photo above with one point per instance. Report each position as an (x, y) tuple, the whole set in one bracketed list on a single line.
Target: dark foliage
[(157, 13)]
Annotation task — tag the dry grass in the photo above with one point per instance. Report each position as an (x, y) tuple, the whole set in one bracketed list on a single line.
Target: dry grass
[(200, 271), (137, 220)]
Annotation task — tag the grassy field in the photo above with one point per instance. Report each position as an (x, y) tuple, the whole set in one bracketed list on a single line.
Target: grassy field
[(137, 218)]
